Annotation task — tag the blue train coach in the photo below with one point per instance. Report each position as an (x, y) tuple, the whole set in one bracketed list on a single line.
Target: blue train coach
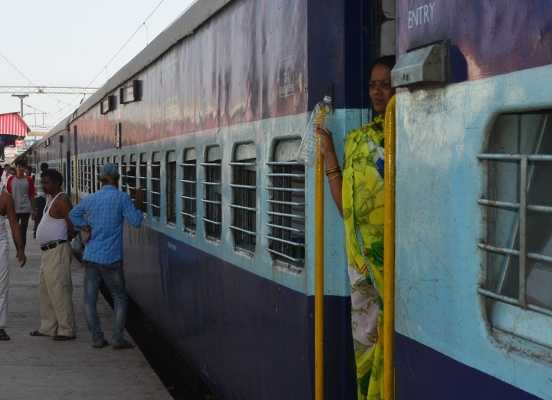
[(207, 121)]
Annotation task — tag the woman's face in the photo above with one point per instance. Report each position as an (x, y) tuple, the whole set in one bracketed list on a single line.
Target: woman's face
[(380, 88)]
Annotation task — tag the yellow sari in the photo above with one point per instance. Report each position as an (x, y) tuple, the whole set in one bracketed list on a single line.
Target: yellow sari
[(363, 212)]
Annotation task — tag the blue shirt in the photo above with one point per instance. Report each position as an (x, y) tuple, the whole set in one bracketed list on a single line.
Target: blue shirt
[(105, 212)]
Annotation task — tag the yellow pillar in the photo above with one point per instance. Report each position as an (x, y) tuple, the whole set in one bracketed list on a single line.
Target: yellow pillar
[(389, 255), (319, 276)]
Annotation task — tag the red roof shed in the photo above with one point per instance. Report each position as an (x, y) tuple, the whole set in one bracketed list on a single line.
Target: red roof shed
[(12, 124)]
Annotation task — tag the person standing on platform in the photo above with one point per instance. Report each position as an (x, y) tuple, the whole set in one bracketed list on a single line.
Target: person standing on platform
[(22, 189), (40, 199), (7, 212), (103, 214), (57, 318), (6, 174)]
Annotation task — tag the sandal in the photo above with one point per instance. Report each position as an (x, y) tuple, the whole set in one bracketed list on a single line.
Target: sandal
[(63, 338), (3, 335), (38, 333)]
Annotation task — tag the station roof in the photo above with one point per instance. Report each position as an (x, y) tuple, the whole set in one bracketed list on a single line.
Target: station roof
[(11, 124)]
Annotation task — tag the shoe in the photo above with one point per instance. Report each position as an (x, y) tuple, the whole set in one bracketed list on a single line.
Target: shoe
[(100, 343), (38, 333), (123, 345), (3, 335), (63, 338)]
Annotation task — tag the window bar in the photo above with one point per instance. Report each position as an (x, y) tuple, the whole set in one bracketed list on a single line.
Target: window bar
[(514, 302), (514, 206), (523, 233)]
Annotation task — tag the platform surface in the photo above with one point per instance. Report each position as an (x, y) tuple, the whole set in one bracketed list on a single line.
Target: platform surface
[(42, 369)]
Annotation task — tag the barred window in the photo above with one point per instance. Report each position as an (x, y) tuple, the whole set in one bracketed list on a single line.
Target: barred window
[(88, 176), (244, 197), (99, 165), (124, 172), (517, 207), (156, 184), (189, 195), (131, 177), (143, 179), (81, 176), (286, 206), (212, 197), (170, 180), (93, 176)]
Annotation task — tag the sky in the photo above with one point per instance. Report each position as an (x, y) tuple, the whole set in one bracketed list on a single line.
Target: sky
[(68, 43)]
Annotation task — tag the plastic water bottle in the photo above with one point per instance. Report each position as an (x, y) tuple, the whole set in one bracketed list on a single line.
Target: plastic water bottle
[(318, 117)]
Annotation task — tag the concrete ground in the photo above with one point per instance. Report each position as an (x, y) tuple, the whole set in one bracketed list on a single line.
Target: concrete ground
[(42, 369)]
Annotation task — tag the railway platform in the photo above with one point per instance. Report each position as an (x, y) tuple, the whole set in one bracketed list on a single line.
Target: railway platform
[(40, 368)]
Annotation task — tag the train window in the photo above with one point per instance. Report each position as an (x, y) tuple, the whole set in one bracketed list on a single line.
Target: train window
[(286, 205), (212, 196), (143, 179), (81, 176), (99, 165), (244, 197), (92, 187), (131, 176), (189, 194), (156, 184), (517, 207), (170, 180), (87, 176), (124, 169), (64, 173)]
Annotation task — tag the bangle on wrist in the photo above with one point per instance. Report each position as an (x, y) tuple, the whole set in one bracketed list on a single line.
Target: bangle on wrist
[(330, 171)]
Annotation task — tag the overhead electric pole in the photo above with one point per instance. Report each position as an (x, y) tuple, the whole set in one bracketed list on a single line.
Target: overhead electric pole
[(21, 97)]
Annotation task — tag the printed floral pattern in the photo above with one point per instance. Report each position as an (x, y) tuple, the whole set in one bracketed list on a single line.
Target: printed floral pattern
[(363, 214)]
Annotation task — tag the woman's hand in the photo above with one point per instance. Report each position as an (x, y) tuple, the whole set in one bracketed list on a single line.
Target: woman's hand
[(326, 141), (327, 147)]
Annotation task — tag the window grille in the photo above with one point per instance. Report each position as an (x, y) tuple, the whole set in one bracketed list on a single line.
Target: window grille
[(517, 208), (64, 174), (212, 199), (156, 184), (170, 181), (143, 179), (97, 175), (124, 172), (81, 176), (128, 174), (93, 176), (131, 177), (244, 197), (189, 195), (86, 176), (286, 205)]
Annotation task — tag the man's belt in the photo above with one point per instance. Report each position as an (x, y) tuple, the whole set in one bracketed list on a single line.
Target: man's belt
[(52, 245)]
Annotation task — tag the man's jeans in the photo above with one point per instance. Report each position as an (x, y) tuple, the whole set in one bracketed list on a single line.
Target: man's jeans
[(114, 279)]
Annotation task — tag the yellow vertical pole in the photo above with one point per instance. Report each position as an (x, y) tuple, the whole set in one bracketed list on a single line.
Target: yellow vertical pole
[(389, 255), (319, 276)]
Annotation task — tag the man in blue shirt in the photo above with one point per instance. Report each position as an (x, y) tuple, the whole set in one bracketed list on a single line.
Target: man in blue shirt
[(103, 214)]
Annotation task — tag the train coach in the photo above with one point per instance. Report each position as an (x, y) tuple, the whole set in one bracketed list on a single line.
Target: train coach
[(207, 121)]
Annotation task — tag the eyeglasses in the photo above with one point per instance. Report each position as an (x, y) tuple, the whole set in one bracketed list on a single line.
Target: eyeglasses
[(382, 85)]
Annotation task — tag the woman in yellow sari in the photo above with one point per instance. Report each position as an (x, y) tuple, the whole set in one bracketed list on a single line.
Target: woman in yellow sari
[(358, 194)]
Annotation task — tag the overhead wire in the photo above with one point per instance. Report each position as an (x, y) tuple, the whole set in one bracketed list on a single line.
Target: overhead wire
[(126, 43), (118, 52)]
